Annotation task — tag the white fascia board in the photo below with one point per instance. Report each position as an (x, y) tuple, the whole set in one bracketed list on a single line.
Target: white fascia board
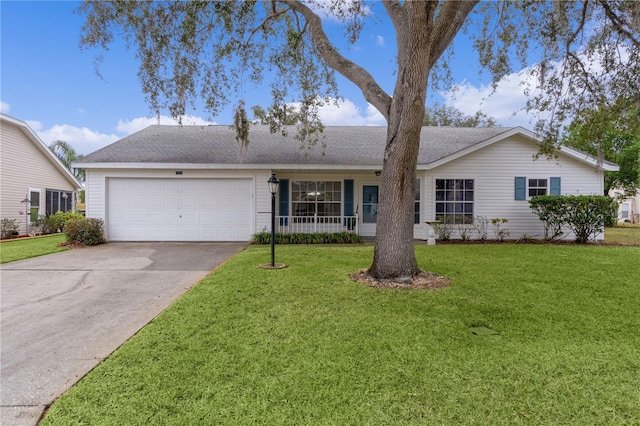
[(39, 143), (585, 158)]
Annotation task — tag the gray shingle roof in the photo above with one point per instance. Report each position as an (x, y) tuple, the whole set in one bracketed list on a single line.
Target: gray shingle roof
[(217, 145)]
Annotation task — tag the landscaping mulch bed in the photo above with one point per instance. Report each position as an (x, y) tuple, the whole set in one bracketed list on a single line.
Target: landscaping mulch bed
[(424, 280)]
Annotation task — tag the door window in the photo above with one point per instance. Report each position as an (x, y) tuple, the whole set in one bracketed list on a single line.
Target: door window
[(369, 203)]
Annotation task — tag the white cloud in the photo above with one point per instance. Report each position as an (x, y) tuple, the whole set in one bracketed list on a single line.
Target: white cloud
[(82, 139), (4, 107), (505, 104), (137, 124), (346, 113), (85, 140), (380, 41)]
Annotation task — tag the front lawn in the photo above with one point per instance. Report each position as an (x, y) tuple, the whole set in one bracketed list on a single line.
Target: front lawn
[(11, 250), (623, 233), (305, 345)]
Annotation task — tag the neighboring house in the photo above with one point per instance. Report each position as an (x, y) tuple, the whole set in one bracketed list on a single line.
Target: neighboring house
[(628, 208), (188, 183), (33, 182)]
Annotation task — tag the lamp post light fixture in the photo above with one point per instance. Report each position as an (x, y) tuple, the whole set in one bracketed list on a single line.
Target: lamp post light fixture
[(273, 184)]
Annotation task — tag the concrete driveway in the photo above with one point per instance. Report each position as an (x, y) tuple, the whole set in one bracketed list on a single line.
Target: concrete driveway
[(64, 313)]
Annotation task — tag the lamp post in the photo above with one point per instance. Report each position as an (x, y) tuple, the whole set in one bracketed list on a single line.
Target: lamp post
[(273, 184)]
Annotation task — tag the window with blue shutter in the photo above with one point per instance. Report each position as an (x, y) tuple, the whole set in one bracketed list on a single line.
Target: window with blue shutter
[(554, 186), (521, 188), (284, 201)]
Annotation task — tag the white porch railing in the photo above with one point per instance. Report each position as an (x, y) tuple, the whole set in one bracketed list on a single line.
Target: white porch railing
[(316, 224)]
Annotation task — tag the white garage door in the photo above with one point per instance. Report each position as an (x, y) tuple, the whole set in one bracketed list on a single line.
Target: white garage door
[(179, 209)]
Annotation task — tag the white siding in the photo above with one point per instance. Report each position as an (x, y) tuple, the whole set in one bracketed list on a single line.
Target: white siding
[(24, 166), (263, 201), (494, 169)]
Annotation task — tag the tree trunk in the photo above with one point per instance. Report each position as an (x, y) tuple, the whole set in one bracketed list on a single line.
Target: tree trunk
[(394, 255)]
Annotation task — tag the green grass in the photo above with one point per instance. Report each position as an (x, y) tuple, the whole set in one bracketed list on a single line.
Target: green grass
[(12, 250), (623, 233), (306, 346)]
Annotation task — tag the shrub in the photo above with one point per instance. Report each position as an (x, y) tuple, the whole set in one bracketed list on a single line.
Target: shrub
[(56, 222), (465, 229), (318, 238), (501, 233), (481, 226), (585, 215), (86, 231), (552, 211), (8, 228), (444, 228)]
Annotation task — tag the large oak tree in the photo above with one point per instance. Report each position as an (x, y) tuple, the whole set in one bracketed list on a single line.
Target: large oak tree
[(585, 52)]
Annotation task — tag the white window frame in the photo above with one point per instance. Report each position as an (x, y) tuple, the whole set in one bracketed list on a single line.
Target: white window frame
[(293, 201), (30, 206), (418, 203), (537, 187), (463, 202)]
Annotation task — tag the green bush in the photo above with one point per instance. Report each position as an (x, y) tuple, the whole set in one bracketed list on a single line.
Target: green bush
[(86, 231), (8, 228), (444, 228), (585, 215), (56, 222), (318, 238), (552, 211)]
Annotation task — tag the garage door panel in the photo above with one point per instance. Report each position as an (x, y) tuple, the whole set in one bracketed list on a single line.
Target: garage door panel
[(180, 209)]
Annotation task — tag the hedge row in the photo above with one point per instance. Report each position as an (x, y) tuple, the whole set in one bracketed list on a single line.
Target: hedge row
[(585, 215), (319, 238)]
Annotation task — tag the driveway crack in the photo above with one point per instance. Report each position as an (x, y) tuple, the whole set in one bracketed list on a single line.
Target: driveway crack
[(53, 296)]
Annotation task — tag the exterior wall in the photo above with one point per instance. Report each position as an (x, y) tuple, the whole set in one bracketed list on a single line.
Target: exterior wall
[(359, 178), (22, 167), (633, 207), (494, 169), (97, 181)]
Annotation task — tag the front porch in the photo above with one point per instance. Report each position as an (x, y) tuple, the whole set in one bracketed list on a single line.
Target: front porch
[(316, 224)]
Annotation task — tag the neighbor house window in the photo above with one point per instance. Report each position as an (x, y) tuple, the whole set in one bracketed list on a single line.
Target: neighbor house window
[(624, 211), (537, 187), (311, 198), (58, 200), (416, 205), (34, 204), (454, 200)]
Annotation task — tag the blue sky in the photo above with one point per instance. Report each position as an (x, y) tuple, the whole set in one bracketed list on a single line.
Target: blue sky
[(49, 82)]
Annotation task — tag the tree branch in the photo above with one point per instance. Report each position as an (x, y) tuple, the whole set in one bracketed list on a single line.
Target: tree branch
[(398, 15), (578, 30), (372, 91), (267, 19), (617, 22), (448, 22), (396, 12)]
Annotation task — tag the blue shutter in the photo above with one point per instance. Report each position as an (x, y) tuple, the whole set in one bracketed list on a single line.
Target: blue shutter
[(348, 199), (521, 188), (284, 201), (554, 186)]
